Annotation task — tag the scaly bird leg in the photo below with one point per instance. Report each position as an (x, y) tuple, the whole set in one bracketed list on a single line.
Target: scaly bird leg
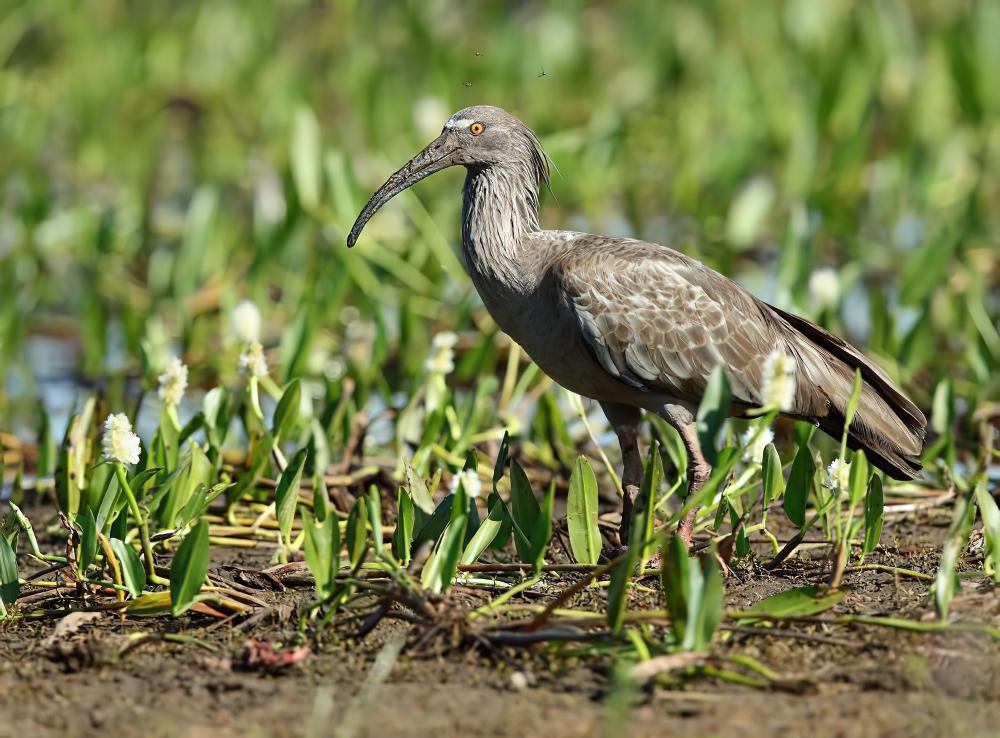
[(698, 471), (625, 420)]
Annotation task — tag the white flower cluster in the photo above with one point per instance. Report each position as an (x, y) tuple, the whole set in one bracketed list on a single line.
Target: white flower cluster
[(468, 479), (173, 382), (778, 383), (119, 442), (754, 443), (253, 363), (824, 288), (838, 475), (442, 356), (245, 322)]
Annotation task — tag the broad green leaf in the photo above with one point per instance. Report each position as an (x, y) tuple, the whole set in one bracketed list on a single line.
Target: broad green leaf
[(45, 464), (946, 582), (357, 531), (9, 586), (88, 539), (402, 537), (150, 604), (990, 515), (541, 533), (375, 517), (713, 412), (858, 478), (189, 569), (434, 525), (774, 482), (524, 511), (675, 576), (286, 496), (286, 414), (873, 515), (581, 513), (133, 573), (322, 551), (711, 608), (800, 485), (796, 602), (487, 531), (306, 158), (418, 491), (645, 504)]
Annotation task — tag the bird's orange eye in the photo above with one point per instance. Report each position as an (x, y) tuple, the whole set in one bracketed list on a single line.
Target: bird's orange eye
[(476, 128)]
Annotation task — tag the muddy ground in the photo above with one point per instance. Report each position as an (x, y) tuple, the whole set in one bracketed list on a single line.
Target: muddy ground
[(837, 680)]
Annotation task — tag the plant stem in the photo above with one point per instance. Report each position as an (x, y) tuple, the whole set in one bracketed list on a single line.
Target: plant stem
[(147, 546)]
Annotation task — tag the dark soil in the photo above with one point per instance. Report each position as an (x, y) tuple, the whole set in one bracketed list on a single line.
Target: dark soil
[(837, 680)]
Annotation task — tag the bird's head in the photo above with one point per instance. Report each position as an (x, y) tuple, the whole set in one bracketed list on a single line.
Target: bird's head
[(476, 137)]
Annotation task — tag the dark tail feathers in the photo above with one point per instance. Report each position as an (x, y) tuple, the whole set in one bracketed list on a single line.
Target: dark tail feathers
[(888, 426)]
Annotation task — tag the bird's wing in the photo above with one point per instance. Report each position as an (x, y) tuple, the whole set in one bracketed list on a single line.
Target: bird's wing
[(660, 321)]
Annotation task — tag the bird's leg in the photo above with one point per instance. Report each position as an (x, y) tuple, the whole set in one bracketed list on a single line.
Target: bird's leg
[(625, 420), (698, 470)]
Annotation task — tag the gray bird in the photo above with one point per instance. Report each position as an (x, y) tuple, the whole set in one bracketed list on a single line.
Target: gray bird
[(635, 325)]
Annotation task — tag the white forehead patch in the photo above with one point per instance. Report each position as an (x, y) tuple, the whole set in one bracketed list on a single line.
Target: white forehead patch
[(459, 123)]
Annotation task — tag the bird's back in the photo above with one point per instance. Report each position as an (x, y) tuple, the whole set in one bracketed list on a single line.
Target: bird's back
[(657, 322)]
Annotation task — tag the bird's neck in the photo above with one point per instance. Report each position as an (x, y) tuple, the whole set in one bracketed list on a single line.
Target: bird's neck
[(500, 208)]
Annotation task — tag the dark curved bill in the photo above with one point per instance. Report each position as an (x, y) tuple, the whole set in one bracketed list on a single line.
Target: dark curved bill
[(436, 156)]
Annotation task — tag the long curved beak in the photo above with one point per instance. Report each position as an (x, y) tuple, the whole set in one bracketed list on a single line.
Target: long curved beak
[(437, 155)]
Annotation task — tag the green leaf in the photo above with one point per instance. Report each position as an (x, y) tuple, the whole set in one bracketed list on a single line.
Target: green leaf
[(852, 402), (402, 537), (88, 539), (306, 160), (286, 496), (541, 533), (196, 470), (645, 505), (946, 582), (581, 513), (800, 485), (990, 515), (357, 531), (322, 551), (711, 608), (524, 511), (858, 479), (133, 573), (713, 412), (434, 526), (418, 491), (286, 414), (675, 576), (375, 517), (874, 518), (150, 604), (487, 531), (796, 602), (10, 588), (189, 569), (774, 482)]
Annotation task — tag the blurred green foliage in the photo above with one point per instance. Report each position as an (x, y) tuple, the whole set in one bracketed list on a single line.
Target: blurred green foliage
[(161, 161)]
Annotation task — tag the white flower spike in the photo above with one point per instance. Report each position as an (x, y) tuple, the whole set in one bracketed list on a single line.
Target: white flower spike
[(778, 385), (245, 322), (442, 357), (824, 288), (838, 475), (468, 479), (753, 448), (173, 382), (253, 363), (119, 442)]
